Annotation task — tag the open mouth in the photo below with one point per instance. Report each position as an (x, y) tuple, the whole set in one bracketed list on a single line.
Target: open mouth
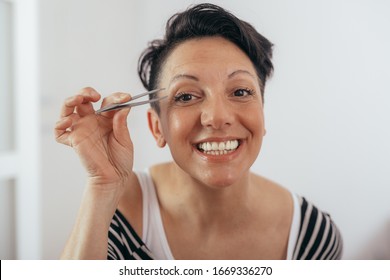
[(218, 148)]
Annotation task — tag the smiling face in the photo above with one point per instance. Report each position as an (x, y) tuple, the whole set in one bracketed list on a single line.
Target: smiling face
[(213, 117)]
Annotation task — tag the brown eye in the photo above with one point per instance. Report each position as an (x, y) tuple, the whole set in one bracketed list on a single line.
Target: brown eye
[(242, 92), (184, 97)]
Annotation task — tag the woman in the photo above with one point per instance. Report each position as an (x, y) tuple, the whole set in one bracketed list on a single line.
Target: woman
[(206, 203)]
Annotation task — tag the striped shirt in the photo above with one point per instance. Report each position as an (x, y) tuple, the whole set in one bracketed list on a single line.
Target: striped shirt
[(316, 237)]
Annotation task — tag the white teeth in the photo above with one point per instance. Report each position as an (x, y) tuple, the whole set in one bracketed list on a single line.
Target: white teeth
[(218, 148)]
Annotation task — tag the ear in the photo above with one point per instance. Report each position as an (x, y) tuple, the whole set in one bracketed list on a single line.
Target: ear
[(264, 129), (156, 128)]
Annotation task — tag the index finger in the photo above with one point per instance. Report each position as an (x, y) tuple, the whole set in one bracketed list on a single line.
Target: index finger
[(84, 96)]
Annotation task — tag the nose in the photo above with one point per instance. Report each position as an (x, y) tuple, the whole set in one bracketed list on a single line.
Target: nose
[(216, 113)]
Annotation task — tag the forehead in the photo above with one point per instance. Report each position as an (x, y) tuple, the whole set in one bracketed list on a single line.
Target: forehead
[(206, 56)]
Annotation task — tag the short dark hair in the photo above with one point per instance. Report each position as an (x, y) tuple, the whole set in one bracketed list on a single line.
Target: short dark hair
[(205, 20)]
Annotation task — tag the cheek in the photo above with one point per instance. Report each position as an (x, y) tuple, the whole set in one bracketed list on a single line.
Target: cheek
[(255, 123), (260, 124), (179, 125), (254, 117)]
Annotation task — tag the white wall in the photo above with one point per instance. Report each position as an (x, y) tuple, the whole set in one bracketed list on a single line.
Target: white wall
[(7, 215), (326, 106), (20, 217)]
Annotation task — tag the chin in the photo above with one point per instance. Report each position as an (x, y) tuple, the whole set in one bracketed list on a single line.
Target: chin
[(219, 181)]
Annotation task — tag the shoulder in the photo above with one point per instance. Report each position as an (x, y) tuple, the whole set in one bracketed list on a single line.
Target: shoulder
[(278, 196), (126, 228), (318, 237), (123, 242), (130, 205)]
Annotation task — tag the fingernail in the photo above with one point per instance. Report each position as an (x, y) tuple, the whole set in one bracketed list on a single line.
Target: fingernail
[(120, 97)]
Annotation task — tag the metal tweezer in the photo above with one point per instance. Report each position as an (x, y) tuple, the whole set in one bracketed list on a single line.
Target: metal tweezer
[(131, 103)]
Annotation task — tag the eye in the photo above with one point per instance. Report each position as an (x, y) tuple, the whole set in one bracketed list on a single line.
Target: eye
[(184, 97), (243, 92)]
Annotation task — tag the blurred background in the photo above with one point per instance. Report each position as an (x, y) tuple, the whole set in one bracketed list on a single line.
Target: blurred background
[(327, 108)]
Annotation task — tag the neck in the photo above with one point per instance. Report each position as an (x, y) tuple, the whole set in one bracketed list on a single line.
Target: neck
[(208, 205)]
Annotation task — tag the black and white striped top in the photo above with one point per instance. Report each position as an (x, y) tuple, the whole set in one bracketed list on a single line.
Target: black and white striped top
[(318, 237)]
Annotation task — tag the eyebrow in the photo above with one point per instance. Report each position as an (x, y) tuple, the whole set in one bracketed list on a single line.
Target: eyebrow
[(183, 76), (194, 78), (240, 71)]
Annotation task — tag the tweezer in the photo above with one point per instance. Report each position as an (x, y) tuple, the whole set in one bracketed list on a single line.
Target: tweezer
[(131, 103)]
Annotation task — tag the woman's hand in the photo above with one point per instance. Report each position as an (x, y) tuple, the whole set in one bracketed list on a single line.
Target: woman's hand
[(102, 141)]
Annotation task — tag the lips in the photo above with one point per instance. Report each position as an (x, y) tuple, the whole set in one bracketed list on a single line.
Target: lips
[(218, 147)]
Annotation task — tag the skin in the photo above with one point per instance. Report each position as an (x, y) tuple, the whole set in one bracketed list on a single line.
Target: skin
[(217, 112), (206, 201)]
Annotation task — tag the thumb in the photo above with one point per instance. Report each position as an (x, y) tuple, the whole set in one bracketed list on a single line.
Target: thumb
[(120, 129)]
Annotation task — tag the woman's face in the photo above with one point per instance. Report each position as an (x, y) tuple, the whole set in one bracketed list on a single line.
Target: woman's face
[(213, 117)]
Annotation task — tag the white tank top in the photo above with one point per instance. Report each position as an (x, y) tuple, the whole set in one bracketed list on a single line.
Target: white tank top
[(153, 233)]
